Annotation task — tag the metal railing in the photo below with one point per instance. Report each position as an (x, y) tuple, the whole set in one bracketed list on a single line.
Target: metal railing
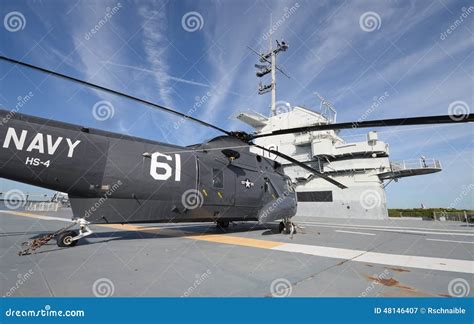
[(415, 164), (455, 216), (43, 206), (25, 205)]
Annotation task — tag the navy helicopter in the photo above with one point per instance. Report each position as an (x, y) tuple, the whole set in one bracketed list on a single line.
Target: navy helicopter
[(119, 179)]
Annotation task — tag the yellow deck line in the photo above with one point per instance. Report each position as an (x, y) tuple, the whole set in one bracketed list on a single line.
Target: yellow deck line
[(235, 240), (215, 238), (21, 214)]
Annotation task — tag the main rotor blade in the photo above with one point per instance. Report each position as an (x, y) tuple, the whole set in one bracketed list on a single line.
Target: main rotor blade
[(115, 92), (427, 120), (302, 165)]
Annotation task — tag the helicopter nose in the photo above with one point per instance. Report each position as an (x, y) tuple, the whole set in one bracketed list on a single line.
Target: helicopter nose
[(281, 208)]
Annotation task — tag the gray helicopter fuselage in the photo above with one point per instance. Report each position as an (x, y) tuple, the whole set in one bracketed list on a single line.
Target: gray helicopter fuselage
[(113, 178)]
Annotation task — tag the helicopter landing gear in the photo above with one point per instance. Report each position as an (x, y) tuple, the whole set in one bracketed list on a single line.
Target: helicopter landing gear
[(65, 239), (222, 223), (70, 238), (286, 226)]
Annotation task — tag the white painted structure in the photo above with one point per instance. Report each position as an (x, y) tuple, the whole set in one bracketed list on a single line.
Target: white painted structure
[(361, 166)]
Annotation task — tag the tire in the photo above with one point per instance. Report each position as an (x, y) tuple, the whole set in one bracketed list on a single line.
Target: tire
[(64, 239), (286, 230), (223, 223), (281, 227)]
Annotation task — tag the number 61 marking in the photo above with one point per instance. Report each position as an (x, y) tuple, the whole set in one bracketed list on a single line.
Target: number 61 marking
[(155, 166)]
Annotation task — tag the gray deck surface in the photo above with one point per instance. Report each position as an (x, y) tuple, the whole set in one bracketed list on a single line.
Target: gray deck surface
[(189, 260)]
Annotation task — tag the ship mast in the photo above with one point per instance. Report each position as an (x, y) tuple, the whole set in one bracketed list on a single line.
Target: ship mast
[(273, 107), (269, 66)]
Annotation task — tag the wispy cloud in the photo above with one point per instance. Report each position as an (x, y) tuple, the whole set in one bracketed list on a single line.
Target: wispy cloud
[(155, 44)]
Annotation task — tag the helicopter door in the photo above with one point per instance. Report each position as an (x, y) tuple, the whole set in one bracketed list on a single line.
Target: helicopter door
[(217, 184), (249, 185)]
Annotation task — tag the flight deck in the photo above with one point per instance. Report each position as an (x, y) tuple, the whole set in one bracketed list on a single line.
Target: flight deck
[(327, 257)]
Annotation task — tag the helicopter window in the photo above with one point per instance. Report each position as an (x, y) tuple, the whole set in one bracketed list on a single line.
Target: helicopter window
[(217, 178), (290, 185)]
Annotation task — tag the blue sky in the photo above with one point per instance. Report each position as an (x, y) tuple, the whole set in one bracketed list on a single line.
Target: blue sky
[(145, 49)]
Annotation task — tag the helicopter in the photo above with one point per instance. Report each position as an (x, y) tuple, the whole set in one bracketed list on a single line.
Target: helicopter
[(112, 178)]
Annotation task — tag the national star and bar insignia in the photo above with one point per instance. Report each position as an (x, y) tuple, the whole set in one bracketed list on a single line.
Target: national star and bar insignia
[(247, 183)]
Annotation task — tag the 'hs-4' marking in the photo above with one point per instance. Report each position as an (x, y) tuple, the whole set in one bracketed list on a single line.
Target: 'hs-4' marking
[(36, 162)]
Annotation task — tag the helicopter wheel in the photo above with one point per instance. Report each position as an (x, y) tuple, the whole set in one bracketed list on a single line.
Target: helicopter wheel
[(287, 227), (281, 227), (223, 223), (65, 239)]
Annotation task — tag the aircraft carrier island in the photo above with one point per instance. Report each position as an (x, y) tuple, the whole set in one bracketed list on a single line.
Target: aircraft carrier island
[(364, 167)]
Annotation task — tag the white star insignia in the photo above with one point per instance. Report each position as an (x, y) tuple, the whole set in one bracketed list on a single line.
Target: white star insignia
[(247, 183)]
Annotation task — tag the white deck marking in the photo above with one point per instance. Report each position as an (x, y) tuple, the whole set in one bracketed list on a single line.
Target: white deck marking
[(349, 232), (388, 229), (392, 227), (323, 251), (450, 241), (410, 261)]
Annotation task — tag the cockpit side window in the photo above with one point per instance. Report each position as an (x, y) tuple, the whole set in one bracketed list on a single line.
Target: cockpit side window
[(217, 178)]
